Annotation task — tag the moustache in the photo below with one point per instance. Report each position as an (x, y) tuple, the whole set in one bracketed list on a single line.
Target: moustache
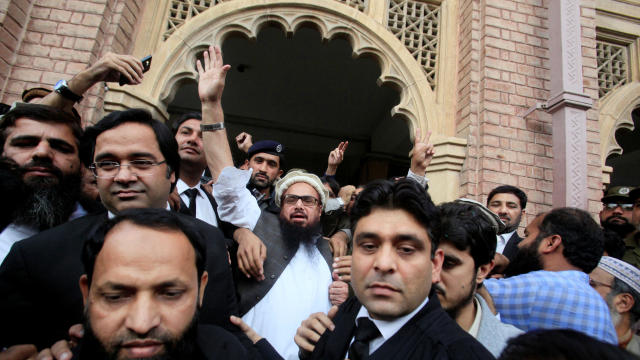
[(618, 217), (47, 165)]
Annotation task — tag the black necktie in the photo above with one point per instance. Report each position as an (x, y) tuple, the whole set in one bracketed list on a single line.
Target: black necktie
[(192, 194), (366, 331)]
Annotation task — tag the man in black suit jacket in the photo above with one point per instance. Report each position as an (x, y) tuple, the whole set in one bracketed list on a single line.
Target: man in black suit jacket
[(509, 203), (395, 315), (194, 199), (135, 160)]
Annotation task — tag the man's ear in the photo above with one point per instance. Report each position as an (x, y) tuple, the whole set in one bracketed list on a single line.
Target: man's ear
[(623, 302), (84, 288), (436, 262), (280, 172), (484, 271), (550, 244), (203, 284)]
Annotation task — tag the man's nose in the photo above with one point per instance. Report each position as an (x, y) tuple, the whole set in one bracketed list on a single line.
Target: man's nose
[(385, 261), (125, 175), (143, 315), (43, 150)]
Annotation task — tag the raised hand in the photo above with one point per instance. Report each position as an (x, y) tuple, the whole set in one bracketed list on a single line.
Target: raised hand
[(244, 141), (422, 152), (111, 66), (212, 75), (335, 158)]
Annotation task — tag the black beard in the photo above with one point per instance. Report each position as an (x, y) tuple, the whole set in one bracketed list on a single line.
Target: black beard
[(294, 235), (454, 310), (183, 347), (260, 185), (48, 202), (526, 260), (623, 229)]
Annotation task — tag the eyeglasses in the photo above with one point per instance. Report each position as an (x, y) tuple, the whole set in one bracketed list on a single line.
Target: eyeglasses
[(594, 283), (612, 206), (109, 169), (307, 200)]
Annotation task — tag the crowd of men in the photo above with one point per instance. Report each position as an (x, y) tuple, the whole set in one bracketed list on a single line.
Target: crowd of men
[(131, 240)]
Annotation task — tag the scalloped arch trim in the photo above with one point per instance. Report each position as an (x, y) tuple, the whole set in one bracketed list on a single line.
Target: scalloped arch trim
[(399, 69), (615, 114)]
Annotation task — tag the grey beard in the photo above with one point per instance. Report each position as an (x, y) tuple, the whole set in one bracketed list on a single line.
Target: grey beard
[(48, 204)]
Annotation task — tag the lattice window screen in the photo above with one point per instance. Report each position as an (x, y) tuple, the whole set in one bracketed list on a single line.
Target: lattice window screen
[(358, 4), (416, 24), (182, 10), (613, 66)]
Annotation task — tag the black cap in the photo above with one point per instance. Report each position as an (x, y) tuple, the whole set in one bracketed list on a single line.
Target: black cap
[(618, 193), (266, 146)]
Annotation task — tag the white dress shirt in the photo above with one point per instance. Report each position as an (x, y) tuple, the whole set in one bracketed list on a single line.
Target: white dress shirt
[(236, 204), (503, 239), (387, 328), (204, 209)]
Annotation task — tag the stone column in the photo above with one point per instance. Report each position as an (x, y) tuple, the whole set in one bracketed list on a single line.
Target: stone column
[(568, 105)]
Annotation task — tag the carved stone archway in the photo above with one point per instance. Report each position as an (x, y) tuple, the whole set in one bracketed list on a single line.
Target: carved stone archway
[(615, 114), (174, 59)]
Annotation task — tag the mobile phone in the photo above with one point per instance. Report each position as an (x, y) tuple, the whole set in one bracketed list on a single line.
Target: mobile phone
[(146, 64)]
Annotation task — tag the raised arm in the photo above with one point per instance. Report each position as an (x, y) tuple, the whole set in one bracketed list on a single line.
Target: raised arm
[(211, 78), (108, 68)]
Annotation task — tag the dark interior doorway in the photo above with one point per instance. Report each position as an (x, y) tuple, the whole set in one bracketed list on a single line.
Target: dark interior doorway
[(309, 94), (626, 167)]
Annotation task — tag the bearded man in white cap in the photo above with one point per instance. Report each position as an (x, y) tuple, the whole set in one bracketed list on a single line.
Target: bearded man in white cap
[(296, 278), (619, 284)]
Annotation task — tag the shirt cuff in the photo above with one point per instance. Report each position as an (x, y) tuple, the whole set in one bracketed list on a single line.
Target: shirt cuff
[(422, 180), (236, 205)]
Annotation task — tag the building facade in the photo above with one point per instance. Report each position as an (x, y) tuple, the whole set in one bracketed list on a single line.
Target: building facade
[(541, 94)]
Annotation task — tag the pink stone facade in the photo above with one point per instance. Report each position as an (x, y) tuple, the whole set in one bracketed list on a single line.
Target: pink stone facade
[(504, 69)]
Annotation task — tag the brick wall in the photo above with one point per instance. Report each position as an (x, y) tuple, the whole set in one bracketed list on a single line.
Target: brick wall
[(504, 71), (55, 39)]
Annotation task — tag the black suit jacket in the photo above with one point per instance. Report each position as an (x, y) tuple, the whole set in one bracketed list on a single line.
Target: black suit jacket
[(39, 293), (430, 334), (511, 248)]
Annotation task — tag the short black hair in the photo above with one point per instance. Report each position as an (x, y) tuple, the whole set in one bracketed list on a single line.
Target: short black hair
[(404, 194), (40, 113), (184, 117), (582, 237), (465, 227), (508, 189), (166, 141), (333, 184), (157, 219), (561, 344)]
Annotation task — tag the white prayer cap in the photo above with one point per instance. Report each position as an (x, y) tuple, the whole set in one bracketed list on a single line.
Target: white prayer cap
[(299, 175), (622, 271)]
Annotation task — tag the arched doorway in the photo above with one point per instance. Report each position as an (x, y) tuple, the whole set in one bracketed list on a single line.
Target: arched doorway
[(419, 106), (620, 134), (309, 95)]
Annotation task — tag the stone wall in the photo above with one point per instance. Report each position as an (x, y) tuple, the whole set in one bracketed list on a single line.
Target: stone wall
[(505, 70)]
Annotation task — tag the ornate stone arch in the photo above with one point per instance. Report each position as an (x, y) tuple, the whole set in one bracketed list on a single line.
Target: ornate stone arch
[(173, 59), (615, 114), (419, 106)]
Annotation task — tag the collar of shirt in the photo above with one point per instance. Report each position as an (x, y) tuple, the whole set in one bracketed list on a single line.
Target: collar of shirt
[(182, 186), (475, 326), (507, 236), (388, 328)]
